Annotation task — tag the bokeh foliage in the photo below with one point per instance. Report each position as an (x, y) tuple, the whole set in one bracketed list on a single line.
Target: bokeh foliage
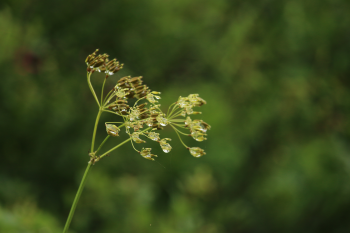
[(275, 75)]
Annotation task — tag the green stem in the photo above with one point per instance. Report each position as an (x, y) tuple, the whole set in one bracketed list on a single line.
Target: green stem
[(102, 143), (178, 113), (92, 89), (111, 112), (103, 155), (107, 96), (106, 153), (179, 136), (169, 108), (82, 183), (181, 126), (173, 109), (76, 199), (110, 97), (103, 86), (95, 129)]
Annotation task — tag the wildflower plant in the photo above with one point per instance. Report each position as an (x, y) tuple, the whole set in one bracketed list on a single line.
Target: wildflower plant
[(143, 120)]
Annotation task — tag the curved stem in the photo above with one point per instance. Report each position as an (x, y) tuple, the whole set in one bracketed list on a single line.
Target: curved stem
[(173, 109), (76, 199), (138, 101), (186, 134), (176, 129), (92, 89), (178, 113), (179, 136), (134, 146), (169, 108)]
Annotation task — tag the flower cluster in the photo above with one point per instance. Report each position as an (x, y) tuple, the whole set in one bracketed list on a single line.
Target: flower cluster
[(101, 63), (144, 118)]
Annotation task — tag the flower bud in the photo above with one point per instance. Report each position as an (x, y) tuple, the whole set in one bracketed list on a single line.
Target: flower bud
[(198, 136), (112, 130), (146, 153), (164, 145), (153, 136), (91, 57), (196, 152), (200, 125), (138, 125), (162, 120), (136, 137), (188, 121), (136, 81)]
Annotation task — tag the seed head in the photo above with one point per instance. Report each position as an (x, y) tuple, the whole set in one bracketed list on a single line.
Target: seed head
[(101, 63), (143, 116)]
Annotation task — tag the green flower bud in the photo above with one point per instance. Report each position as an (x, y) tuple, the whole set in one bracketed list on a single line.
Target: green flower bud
[(112, 130), (146, 153), (196, 152)]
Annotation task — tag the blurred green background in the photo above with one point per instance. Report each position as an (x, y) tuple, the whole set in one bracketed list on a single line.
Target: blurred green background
[(275, 75)]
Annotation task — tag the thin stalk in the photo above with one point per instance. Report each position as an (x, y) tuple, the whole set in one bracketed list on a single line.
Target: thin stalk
[(76, 199), (103, 87), (181, 126), (176, 129), (103, 155), (176, 114), (106, 153), (134, 147), (82, 183), (138, 101), (179, 137), (102, 143), (95, 129), (92, 89), (111, 112), (177, 120), (110, 97), (173, 109), (169, 108), (104, 101)]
